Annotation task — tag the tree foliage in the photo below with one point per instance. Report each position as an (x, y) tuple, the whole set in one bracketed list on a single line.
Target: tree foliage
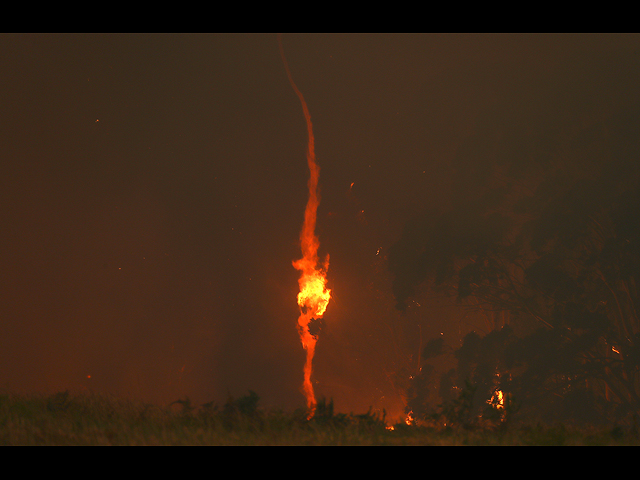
[(545, 242)]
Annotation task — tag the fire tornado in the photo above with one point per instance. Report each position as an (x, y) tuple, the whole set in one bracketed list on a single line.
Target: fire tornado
[(314, 296)]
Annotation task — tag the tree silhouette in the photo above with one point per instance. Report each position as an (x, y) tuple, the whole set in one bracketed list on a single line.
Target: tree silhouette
[(546, 242)]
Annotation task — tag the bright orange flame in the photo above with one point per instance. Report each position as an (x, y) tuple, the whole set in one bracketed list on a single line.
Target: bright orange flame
[(409, 418), (314, 296), (497, 400)]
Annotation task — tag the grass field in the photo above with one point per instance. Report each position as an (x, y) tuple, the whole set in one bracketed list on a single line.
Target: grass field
[(65, 419)]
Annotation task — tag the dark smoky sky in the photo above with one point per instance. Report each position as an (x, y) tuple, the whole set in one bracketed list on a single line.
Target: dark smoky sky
[(153, 188)]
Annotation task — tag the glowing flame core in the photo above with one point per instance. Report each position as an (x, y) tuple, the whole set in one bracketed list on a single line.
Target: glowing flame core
[(314, 296)]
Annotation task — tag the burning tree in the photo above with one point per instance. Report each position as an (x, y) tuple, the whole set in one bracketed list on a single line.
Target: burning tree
[(542, 239)]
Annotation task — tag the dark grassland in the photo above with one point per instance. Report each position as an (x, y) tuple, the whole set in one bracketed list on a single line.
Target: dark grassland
[(66, 419)]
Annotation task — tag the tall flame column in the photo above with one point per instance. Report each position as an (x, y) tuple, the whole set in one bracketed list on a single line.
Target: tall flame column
[(314, 296)]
